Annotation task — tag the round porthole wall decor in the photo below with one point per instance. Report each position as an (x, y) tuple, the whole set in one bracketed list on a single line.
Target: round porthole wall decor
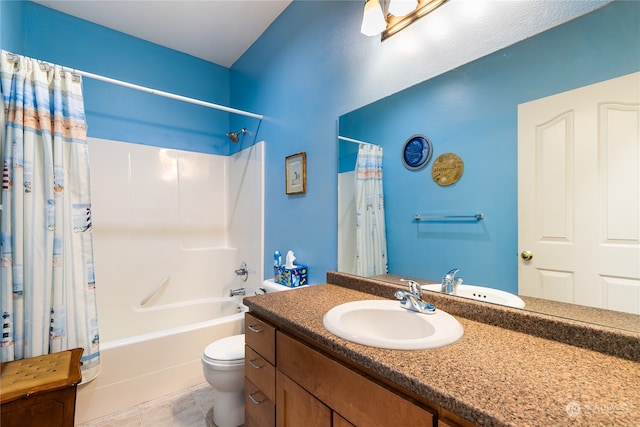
[(416, 152)]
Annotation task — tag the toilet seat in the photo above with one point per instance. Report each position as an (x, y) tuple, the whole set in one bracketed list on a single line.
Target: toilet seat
[(226, 351)]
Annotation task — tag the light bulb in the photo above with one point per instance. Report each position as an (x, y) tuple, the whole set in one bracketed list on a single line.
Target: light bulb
[(373, 22), (402, 7)]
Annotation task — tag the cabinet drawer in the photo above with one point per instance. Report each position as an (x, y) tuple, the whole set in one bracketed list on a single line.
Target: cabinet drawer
[(355, 397), (259, 410), (260, 372), (260, 336)]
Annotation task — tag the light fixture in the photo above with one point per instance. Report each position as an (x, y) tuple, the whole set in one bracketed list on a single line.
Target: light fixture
[(373, 22), (392, 16), (402, 7)]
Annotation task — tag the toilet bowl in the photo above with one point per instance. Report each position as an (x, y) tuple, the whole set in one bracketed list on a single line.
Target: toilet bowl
[(223, 368)]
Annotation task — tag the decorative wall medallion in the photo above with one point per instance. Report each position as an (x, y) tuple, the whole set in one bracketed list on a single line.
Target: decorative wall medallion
[(416, 152), (447, 169)]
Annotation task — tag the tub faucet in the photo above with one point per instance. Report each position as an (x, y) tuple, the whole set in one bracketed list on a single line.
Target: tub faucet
[(236, 292), (243, 271), (450, 283), (411, 299)]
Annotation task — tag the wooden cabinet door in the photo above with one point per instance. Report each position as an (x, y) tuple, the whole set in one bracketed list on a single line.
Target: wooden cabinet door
[(355, 397), (296, 407), (338, 421)]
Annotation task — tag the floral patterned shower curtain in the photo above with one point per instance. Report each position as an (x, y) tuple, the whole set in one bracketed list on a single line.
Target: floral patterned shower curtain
[(371, 235), (47, 286)]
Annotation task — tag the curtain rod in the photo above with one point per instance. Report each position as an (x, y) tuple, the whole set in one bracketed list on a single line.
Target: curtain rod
[(357, 141), (12, 57), (162, 93)]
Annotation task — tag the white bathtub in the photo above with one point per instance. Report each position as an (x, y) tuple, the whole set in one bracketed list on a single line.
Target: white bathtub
[(143, 367)]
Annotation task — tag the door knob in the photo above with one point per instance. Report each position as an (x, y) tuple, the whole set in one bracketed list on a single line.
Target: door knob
[(526, 255)]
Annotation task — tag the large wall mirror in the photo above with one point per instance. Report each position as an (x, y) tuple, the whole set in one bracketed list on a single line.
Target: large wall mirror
[(476, 112)]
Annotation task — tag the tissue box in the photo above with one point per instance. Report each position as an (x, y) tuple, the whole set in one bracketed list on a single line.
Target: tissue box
[(291, 277)]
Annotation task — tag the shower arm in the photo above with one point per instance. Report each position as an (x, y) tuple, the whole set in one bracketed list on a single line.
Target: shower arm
[(234, 136)]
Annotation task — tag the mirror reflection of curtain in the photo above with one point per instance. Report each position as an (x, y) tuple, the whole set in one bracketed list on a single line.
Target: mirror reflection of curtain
[(47, 285), (371, 238)]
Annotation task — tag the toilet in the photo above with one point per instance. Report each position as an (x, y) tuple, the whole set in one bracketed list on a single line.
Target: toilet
[(223, 368)]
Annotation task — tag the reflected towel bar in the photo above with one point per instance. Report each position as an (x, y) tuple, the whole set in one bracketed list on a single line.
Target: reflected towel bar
[(477, 216)]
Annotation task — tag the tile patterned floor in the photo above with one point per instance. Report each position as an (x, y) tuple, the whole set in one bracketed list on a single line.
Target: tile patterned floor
[(189, 408)]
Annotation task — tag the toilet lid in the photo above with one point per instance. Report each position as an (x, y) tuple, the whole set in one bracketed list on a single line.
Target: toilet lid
[(226, 349)]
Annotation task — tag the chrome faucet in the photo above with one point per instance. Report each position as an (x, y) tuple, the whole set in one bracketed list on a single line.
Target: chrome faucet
[(236, 292), (411, 299), (450, 283), (242, 271)]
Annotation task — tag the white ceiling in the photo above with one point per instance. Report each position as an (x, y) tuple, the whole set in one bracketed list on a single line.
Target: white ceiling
[(219, 31)]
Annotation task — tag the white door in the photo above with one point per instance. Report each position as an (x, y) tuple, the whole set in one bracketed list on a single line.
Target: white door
[(579, 196)]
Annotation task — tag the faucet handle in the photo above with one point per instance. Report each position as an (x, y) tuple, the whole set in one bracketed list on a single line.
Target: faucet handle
[(414, 287), (451, 274), (457, 283)]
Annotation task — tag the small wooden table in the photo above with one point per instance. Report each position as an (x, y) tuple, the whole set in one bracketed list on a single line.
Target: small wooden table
[(40, 391)]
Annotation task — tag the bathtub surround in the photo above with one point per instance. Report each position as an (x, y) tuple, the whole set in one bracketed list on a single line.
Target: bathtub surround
[(47, 271), (173, 225)]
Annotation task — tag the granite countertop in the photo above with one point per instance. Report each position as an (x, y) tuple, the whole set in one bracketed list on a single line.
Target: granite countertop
[(598, 316), (492, 376)]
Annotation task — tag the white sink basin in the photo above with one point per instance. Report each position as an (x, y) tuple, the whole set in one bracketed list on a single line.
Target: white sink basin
[(385, 324), (481, 293)]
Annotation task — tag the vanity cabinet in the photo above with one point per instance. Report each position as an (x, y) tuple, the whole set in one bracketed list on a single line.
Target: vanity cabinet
[(290, 383), (260, 372), (354, 398)]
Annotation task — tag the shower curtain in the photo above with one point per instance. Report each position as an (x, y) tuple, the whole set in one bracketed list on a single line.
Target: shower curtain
[(47, 286), (371, 237)]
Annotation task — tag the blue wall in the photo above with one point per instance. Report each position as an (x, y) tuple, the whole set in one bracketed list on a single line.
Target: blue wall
[(303, 77), (294, 74), (119, 113), (11, 25), (310, 67), (472, 111)]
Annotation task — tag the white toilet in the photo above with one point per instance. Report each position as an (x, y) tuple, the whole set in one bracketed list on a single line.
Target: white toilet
[(223, 367)]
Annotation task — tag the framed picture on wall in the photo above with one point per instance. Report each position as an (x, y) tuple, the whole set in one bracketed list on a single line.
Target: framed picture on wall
[(296, 173)]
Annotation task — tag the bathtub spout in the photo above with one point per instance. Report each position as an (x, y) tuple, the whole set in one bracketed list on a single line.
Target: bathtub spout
[(236, 292)]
